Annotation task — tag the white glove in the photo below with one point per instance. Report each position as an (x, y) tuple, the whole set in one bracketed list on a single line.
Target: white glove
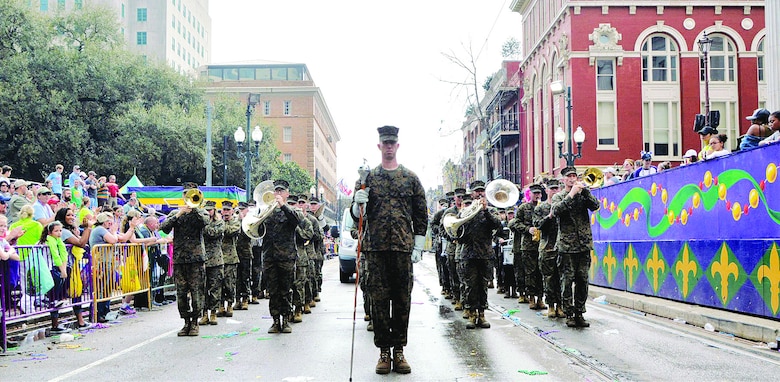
[(361, 196), (419, 243)]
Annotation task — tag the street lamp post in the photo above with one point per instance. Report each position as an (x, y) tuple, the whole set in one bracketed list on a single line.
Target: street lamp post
[(247, 152), (704, 46), (561, 136)]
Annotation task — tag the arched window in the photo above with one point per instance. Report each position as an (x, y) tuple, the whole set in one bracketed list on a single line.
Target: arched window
[(659, 59), (723, 60)]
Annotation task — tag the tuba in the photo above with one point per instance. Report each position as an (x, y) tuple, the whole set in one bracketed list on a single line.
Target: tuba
[(193, 198), (593, 177), (265, 198), (500, 193)]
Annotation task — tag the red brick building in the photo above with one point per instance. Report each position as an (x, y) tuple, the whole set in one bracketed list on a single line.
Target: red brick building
[(636, 76)]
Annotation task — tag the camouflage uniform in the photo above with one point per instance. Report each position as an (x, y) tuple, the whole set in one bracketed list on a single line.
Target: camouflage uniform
[(574, 243), (441, 261), (230, 256), (303, 234), (477, 257), (313, 253), (529, 250), (396, 211), (548, 257), (452, 263), (212, 239), (498, 258), (279, 255), (189, 256), (257, 269), (518, 266), (244, 271), (318, 257)]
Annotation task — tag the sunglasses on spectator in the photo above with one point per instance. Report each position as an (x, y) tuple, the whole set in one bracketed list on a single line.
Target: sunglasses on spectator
[(45, 193)]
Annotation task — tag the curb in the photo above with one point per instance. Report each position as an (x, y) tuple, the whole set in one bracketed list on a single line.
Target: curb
[(740, 325)]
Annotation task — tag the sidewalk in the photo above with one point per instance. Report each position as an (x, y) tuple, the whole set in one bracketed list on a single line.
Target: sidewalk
[(740, 325)]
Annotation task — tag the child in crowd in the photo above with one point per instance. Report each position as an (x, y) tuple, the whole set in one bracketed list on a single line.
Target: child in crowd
[(718, 143), (52, 237)]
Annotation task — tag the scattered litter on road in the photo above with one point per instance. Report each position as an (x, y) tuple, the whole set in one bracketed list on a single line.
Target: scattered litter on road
[(264, 338), (679, 321), (227, 335), (33, 357), (265, 317), (601, 300), (229, 355), (726, 334), (572, 350), (639, 313), (232, 321), (532, 372), (69, 346), (86, 349), (611, 331), (708, 327), (475, 375), (544, 334), (219, 369), (512, 311)]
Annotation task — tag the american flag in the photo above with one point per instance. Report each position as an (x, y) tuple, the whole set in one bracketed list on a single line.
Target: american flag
[(343, 187)]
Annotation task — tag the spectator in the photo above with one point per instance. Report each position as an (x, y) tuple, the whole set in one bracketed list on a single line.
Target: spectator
[(102, 192), (6, 250), (774, 122), (42, 212), (132, 204), (5, 173), (663, 166), (610, 177), (757, 131), (118, 214), (689, 157), (113, 191), (31, 228), (718, 143), (4, 204), (56, 180), (628, 169), (18, 200), (67, 195), (52, 237), (91, 188), (5, 188), (84, 212), (647, 165), (705, 134), (78, 240), (74, 176)]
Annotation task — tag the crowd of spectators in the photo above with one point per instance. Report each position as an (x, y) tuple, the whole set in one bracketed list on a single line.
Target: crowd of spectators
[(75, 214)]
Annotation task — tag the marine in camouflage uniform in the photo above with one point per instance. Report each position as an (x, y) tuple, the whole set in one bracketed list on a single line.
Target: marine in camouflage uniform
[(279, 256), (548, 256), (477, 256), (441, 258), (574, 243), (315, 250), (212, 240), (230, 257), (396, 216), (499, 237), (303, 236), (529, 249), (450, 249), (517, 265), (189, 257), (244, 270)]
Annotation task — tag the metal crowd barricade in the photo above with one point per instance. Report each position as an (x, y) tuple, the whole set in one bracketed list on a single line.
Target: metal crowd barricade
[(26, 289), (119, 270)]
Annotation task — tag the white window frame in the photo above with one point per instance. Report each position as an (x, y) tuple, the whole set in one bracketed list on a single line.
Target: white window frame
[(287, 157), (287, 107), (287, 134), (672, 55), (603, 97)]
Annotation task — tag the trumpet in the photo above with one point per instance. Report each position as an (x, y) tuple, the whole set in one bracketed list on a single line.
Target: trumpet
[(265, 199), (593, 177)]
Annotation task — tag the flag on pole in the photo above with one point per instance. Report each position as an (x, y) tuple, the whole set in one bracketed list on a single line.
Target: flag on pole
[(343, 187)]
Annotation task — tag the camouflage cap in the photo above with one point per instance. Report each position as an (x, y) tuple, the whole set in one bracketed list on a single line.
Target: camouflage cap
[(243, 205), (227, 205), (467, 198), (210, 205), (292, 198), (460, 191), (477, 185), (388, 134), (568, 170), (314, 200), (553, 183), (450, 194), (536, 188), (189, 185), (281, 184), (444, 201), (303, 197)]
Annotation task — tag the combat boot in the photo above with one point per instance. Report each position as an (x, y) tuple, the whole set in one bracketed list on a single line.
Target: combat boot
[(551, 311), (236, 306), (472, 324), (205, 319), (194, 329), (458, 305), (466, 313), (213, 318), (261, 295), (559, 311), (221, 311), (286, 328), (298, 315), (540, 303), (244, 303), (481, 321), (317, 298), (366, 318), (490, 285), (522, 299), (570, 322), (580, 321), (370, 326), (383, 365), (254, 301), (186, 329), (275, 327), (306, 309), (500, 290), (312, 303), (229, 312), (400, 365)]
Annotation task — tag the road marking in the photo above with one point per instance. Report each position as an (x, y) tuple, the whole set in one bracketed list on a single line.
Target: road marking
[(111, 357)]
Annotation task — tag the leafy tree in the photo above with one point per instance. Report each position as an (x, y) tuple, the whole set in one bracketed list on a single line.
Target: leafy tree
[(511, 49), (299, 179)]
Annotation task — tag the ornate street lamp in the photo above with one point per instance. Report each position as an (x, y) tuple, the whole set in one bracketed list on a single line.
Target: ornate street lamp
[(247, 152), (705, 43), (558, 88)]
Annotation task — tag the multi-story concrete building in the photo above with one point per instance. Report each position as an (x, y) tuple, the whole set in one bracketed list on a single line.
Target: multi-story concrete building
[(177, 32), (636, 74), (293, 105)]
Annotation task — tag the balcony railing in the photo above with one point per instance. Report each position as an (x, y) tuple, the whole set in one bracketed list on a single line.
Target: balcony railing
[(503, 127)]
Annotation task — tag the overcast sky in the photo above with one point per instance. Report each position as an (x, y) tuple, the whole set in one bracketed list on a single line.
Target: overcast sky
[(376, 63)]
